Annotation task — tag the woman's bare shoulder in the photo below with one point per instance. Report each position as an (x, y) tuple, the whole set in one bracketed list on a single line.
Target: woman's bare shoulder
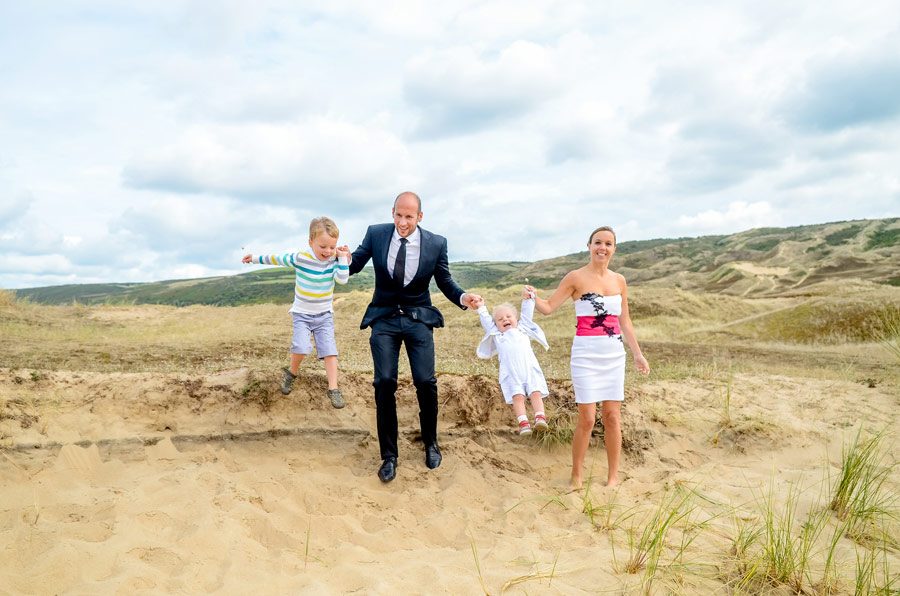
[(620, 279)]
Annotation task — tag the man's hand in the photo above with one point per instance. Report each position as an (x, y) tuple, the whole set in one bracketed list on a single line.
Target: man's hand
[(343, 251), (247, 259), (472, 300)]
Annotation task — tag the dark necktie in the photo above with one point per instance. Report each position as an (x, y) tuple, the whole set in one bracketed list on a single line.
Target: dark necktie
[(400, 263)]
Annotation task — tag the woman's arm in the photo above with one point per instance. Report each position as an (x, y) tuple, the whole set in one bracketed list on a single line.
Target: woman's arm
[(628, 332), (565, 290)]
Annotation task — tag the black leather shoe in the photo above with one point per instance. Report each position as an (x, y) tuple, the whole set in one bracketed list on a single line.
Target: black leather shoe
[(388, 469), (432, 456)]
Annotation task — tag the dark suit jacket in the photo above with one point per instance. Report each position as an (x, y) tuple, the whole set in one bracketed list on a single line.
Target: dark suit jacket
[(413, 299)]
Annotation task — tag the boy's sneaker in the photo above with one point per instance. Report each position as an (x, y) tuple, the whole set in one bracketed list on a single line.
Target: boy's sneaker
[(336, 399), (287, 381), (524, 428), (540, 422)]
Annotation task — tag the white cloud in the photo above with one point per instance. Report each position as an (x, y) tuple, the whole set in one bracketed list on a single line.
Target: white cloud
[(289, 163), (460, 89), (739, 215), (13, 208)]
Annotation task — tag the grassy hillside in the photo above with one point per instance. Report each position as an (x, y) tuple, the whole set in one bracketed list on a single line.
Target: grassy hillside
[(758, 262), (763, 262)]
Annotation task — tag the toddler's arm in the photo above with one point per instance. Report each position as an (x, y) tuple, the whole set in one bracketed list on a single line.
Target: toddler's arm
[(527, 310), (487, 321)]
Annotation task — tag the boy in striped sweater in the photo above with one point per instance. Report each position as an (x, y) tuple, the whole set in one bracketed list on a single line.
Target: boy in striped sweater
[(317, 271)]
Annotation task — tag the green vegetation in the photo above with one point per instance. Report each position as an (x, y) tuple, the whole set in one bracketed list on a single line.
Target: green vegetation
[(862, 496), (843, 235), (764, 245), (882, 238)]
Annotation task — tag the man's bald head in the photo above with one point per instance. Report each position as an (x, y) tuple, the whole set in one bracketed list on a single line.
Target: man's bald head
[(409, 195), (407, 213)]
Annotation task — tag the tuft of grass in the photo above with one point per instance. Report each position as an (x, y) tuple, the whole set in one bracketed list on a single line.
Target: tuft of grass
[(890, 332), (726, 421), (873, 574), (831, 575), (646, 546), (561, 428), (606, 517), (860, 495), (787, 554), (248, 388), (743, 545), (306, 554), (536, 573)]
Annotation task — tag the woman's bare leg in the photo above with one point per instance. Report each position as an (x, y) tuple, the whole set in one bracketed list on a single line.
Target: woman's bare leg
[(587, 414), (611, 412)]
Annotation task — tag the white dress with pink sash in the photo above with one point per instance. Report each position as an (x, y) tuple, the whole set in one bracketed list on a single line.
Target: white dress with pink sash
[(598, 354)]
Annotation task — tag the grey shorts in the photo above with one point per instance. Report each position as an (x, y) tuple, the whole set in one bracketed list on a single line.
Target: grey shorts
[(320, 326)]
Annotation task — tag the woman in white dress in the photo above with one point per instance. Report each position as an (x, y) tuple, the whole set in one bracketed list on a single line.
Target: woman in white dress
[(598, 354)]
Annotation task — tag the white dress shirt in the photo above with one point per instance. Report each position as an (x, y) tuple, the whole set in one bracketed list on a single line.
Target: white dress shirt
[(413, 248)]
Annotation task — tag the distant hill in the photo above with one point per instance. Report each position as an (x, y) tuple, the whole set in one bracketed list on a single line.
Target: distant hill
[(272, 284), (758, 262)]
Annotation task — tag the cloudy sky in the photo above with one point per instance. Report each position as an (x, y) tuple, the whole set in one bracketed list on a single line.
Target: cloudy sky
[(161, 140)]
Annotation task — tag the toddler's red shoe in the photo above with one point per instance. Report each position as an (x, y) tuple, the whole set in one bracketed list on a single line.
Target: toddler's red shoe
[(524, 428)]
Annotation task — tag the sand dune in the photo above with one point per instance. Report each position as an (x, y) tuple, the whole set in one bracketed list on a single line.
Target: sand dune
[(214, 484)]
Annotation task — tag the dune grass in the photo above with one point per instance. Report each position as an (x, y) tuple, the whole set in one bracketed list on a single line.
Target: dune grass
[(647, 537), (862, 493), (890, 333), (560, 431), (477, 564)]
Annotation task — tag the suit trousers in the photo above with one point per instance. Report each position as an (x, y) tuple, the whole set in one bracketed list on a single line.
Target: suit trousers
[(387, 335)]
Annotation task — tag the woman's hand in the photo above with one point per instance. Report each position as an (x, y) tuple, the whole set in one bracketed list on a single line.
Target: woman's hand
[(642, 365)]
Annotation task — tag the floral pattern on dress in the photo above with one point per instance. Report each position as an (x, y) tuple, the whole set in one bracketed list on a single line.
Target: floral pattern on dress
[(596, 302)]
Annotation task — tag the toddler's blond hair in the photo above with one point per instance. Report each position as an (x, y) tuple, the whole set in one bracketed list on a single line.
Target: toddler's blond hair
[(323, 224), (502, 306)]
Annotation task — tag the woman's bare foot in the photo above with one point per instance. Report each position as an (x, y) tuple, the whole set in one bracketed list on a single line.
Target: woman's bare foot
[(575, 482), (613, 481)]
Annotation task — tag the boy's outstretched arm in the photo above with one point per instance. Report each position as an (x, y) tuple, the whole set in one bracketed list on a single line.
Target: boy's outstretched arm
[(341, 268)]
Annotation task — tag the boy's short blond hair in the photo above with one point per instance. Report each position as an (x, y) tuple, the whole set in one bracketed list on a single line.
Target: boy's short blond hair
[(323, 224), (502, 306)]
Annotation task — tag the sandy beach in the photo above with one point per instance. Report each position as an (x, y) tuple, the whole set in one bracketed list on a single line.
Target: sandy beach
[(156, 483)]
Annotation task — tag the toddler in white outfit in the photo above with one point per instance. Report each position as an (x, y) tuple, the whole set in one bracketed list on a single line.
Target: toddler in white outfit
[(510, 337)]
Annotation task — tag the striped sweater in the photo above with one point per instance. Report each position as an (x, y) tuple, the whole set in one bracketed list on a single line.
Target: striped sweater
[(314, 285)]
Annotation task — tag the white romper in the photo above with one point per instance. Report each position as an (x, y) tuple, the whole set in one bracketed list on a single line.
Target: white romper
[(520, 372)]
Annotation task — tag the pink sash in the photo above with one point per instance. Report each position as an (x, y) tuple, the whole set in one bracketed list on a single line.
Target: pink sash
[(588, 326)]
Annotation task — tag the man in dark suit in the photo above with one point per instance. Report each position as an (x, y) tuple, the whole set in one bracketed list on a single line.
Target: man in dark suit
[(405, 257)]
